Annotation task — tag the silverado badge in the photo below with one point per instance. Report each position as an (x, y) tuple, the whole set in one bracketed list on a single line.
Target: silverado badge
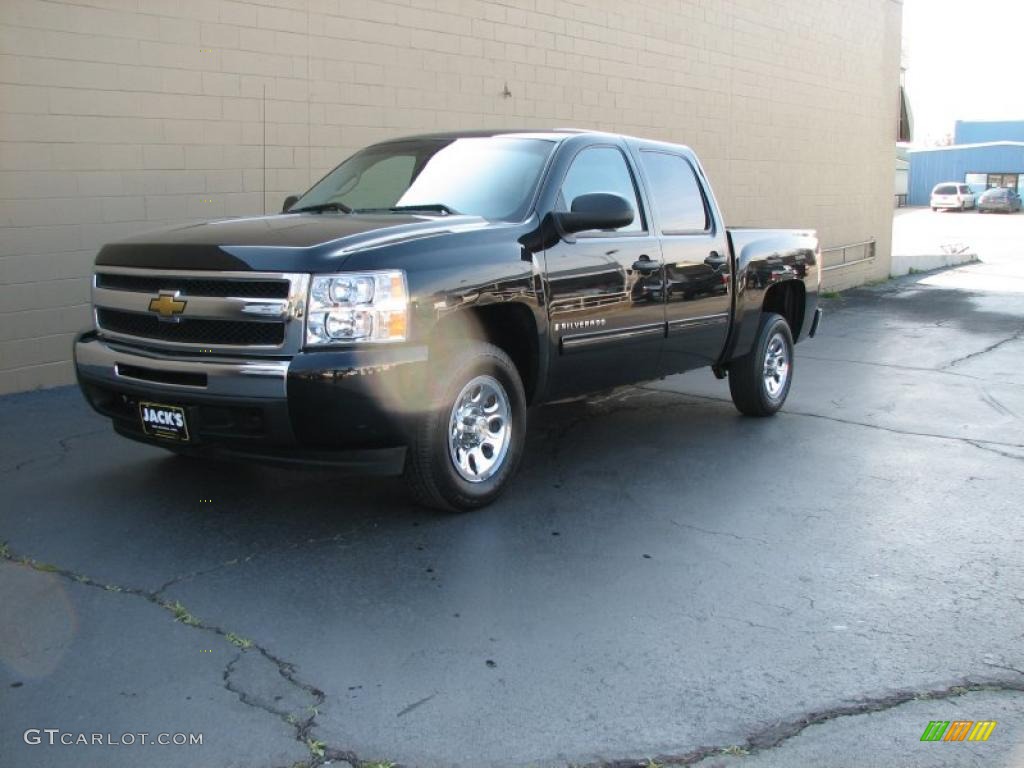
[(167, 305)]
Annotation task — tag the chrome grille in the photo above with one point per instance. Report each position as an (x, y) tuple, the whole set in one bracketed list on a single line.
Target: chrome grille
[(253, 312)]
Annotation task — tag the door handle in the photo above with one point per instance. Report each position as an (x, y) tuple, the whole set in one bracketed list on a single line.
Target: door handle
[(645, 266)]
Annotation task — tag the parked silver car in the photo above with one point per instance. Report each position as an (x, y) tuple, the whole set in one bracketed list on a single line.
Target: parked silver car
[(952, 195), (1001, 199)]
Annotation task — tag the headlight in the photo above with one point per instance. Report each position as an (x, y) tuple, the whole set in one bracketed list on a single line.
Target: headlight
[(357, 307)]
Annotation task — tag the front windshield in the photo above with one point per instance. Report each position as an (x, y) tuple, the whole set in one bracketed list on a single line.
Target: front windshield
[(491, 177)]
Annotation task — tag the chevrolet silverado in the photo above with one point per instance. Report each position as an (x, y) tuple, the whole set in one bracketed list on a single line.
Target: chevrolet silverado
[(404, 313)]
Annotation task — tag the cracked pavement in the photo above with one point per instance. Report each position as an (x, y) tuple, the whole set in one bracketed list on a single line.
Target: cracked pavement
[(665, 579)]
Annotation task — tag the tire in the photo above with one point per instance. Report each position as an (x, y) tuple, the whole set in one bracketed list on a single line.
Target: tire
[(934, 209), (755, 392), (480, 381)]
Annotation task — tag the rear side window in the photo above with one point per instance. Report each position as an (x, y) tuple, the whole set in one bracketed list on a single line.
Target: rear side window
[(602, 169), (946, 189), (964, 189), (676, 193)]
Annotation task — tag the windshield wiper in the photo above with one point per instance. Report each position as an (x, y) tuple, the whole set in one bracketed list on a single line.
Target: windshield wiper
[(321, 207), (434, 207)]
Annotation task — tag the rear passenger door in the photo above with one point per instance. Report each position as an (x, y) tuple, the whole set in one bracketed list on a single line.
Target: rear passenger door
[(697, 266)]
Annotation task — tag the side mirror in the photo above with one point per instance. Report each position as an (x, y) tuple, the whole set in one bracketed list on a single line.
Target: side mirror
[(599, 210), (289, 202)]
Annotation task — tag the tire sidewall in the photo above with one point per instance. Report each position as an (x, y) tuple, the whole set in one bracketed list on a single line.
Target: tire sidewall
[(774, 324), (449, 481)]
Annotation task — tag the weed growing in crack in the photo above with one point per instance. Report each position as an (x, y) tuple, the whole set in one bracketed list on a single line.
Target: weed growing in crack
[(238, 641), (5, 553), (651, 763), (736, 751), (377, 765), (181, 614), (316, 748)]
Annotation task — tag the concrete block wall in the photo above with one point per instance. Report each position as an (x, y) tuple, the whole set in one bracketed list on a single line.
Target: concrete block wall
[(118, 116)]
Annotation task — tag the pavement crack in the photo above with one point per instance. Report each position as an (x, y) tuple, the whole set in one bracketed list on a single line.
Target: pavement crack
[(302, 727), (778, 733), (988, 447), (63, 443), (894, 366), (893, 430), (719, 533), (1016, 336), (415, 704), (199, 574), (1006, 667)]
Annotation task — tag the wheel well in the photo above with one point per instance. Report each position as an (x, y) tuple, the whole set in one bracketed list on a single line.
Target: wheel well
[(787, 299), (510, 326)]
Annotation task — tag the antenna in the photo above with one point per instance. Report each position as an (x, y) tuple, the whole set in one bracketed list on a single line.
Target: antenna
[(264, 149)]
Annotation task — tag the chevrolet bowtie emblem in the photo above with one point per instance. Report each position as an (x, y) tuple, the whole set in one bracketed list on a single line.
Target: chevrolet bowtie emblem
[(167, 305)]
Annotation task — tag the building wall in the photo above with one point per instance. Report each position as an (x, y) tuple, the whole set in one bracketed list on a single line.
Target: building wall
[(124, 115), (971, 132), (929, 167)]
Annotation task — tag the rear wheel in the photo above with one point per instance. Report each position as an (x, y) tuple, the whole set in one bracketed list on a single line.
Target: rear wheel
[(760, 380), (466, 447)]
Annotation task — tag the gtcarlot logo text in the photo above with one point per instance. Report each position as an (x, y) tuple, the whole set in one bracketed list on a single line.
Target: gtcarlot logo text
[(54, 736)]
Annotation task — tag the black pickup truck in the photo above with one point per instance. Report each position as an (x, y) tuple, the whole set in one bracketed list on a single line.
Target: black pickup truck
[(404, 313)]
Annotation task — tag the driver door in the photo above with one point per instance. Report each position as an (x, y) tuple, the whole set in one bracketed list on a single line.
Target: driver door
[(605, 289)]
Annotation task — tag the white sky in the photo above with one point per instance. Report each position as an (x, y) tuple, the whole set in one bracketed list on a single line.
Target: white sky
[(963, 63)]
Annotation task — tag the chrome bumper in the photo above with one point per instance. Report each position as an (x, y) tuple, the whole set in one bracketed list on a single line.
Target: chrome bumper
[(99, 360)]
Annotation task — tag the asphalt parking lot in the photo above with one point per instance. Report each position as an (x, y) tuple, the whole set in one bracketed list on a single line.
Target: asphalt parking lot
[(666, 579)]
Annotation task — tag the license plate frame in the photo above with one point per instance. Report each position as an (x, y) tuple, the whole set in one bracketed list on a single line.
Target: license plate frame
[(170, 428)]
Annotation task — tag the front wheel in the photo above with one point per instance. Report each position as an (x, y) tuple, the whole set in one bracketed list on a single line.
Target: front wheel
[(466, 446), (759, 381)]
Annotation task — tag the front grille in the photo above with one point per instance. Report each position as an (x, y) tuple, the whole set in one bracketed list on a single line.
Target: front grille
[(195, 286), (258, 313), (191, 330)]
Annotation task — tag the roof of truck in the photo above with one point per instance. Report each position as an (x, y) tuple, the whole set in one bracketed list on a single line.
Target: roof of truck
[(555, 134)]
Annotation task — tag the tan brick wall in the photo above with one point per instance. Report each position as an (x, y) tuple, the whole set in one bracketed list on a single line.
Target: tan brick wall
[(123, 115)]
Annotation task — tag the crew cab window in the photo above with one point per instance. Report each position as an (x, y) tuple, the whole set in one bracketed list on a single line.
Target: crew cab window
[(676, 193), (602, 169)]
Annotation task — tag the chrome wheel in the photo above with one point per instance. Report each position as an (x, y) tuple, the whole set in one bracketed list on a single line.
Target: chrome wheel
[(480, 429), (776, 366)]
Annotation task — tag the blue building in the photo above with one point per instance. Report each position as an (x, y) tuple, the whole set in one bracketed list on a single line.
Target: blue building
[(983, 155)]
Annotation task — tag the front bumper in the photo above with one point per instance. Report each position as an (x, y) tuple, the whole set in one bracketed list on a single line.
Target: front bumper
[(315, 407)]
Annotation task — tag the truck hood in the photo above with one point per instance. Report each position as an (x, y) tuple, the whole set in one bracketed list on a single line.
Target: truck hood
[(242, 244)]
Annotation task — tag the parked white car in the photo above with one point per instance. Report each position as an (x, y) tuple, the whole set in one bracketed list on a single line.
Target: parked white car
[(954, 195)]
